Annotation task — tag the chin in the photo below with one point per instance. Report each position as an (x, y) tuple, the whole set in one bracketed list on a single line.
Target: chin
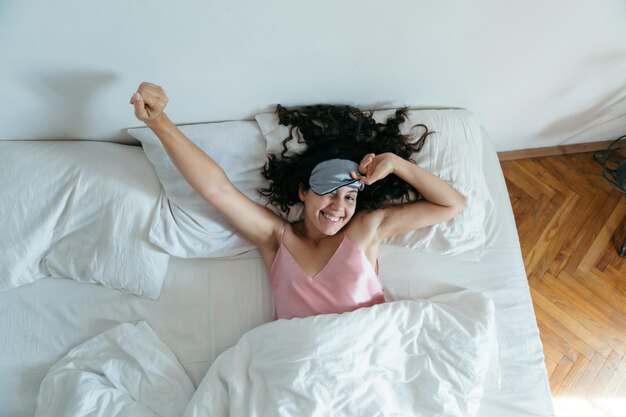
[(332, 232), (331, 229)]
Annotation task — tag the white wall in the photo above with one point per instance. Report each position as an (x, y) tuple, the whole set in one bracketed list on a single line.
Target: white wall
[(535, 73)]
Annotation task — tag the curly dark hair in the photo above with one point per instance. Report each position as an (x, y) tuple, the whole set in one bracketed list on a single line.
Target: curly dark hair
[(345, 132)]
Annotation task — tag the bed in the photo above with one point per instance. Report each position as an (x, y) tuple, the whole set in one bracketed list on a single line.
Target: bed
[(202, 306)]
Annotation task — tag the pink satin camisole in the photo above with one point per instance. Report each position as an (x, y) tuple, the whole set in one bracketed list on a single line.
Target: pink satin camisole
[(347, 282)]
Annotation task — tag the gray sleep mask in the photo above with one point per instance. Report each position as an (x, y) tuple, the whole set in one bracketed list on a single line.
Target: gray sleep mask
[(330, 175)]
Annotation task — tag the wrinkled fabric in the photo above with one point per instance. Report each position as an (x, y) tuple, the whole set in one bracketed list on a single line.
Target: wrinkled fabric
[(125, 371), (79, 210), (406, 358)]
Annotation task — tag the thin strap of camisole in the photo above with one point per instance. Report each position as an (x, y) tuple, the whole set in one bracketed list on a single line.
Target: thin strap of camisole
[(282, 232)]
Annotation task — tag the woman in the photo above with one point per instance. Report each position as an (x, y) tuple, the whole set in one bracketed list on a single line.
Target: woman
[(326, 262)]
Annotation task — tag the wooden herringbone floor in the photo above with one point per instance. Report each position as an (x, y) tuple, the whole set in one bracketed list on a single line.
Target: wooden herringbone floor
[(570, 221)]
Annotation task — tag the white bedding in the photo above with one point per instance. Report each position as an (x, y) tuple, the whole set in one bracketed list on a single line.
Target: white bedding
[(418, 358), (80, 210), (200, 313), (125, 371)]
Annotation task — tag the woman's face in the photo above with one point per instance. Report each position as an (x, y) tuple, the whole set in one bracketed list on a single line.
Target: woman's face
[(330, 212)]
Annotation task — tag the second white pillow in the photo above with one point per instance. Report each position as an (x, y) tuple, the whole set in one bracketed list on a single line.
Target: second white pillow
[(453, 153)]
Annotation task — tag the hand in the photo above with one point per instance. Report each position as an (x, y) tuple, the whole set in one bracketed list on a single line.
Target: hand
[(374, 167), (149, 102)]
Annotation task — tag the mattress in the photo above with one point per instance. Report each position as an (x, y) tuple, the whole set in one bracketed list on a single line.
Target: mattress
[(207, 304)]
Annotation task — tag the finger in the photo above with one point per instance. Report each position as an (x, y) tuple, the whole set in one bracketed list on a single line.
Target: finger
[(149, 95), (369, 180), (140, 108), (147, 84), (363, 166), (367, 159), (145, 88), (152, 90), (151, 105), (136, 96), (153, 99), (355, 175)]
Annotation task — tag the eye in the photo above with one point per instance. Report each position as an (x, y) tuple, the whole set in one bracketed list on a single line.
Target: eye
[(350, 198)]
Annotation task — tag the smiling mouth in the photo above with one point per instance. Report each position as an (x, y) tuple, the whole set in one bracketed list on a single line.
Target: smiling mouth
[(330, 218)]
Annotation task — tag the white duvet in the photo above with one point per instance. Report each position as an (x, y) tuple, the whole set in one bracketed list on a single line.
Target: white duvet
[(125, 371), (404, 358)]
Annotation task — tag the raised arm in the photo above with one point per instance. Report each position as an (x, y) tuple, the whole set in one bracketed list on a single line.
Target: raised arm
[(254, 221), (441, 201)]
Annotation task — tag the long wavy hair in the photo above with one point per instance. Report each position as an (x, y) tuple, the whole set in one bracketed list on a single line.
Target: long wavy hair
[(330, 131)]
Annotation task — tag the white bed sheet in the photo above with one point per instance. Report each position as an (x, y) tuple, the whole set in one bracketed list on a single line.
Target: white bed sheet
[(500, 275), (206, 305)]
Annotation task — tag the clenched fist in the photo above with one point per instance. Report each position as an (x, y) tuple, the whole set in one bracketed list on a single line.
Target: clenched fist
[(149, 102)]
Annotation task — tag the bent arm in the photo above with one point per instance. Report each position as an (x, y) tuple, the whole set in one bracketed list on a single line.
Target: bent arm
[(441, 201)]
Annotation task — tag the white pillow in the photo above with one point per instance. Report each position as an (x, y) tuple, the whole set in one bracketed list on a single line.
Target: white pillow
[(453, 153), (185, 225), (78, 210)]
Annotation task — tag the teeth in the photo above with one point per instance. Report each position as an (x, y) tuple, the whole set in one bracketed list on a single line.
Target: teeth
[(331, 218)]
